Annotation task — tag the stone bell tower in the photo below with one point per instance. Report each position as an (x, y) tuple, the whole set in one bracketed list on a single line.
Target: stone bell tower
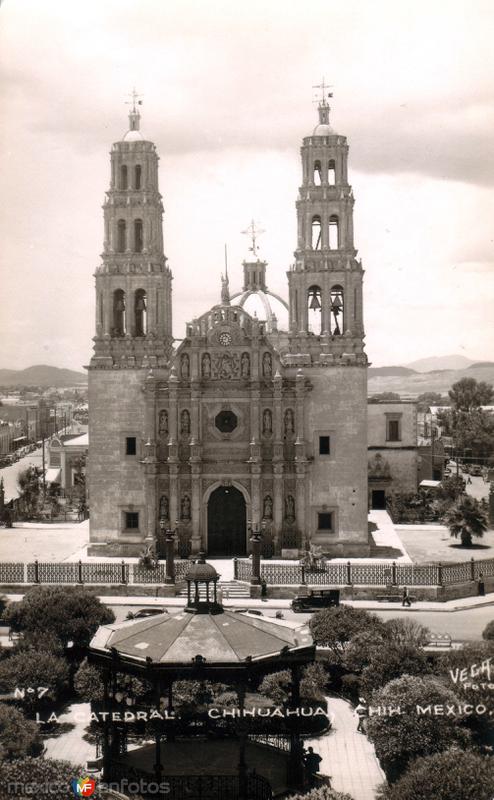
[(133, 342), (326, 280), (326, 348), (133, 283)]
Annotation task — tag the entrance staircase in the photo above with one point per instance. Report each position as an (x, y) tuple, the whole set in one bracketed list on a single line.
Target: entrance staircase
[(229, 590)]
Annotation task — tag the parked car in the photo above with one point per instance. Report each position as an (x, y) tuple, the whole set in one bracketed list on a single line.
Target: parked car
[(146, 612), (476, 469), (315, 600)]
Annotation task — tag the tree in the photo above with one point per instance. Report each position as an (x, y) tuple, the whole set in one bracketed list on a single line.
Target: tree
[(33, 776), (29, 483), (72, 613), (88, 683), (391, 662), (406, 632), (30, 672), (449, 490), (366, 648), (324, 793), (277, 686), (401, 737), (18, 736), (335, 627), (488, 632), (428, 399), (467, 394), (386, 397), (466, 519), (452, 775)]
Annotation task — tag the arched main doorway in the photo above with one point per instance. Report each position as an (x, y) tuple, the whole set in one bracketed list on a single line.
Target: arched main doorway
[(227, 526)]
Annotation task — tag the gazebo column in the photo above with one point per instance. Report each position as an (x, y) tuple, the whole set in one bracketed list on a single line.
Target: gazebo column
[(242, 735), (158, 767), (170, 726), (107, 760), (295, 766)]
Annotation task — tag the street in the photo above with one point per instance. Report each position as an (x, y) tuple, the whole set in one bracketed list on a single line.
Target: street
[(10, 473), (466, 625)]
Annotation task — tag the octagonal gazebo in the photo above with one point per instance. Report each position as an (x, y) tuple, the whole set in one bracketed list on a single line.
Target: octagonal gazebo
[(233, 753)]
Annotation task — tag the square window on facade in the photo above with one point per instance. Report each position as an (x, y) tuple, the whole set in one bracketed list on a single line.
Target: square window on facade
[(131, 520), (324, 445), (325, 521), (393, 430), (130, 446)]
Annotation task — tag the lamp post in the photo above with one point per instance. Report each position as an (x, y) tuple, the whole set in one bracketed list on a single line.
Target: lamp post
[(169, 535), (255, 540)]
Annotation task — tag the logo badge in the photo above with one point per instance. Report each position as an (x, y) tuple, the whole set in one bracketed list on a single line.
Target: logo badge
[(83, 787)]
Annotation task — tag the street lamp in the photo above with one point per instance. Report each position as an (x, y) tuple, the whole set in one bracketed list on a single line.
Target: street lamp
[(169, 535)]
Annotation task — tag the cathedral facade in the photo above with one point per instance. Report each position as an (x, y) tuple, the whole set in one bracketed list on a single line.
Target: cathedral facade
[(242, 426)]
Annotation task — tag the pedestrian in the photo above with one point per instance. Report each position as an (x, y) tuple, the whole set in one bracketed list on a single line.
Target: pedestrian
[(481, 585), (264, 589), (312, 761), (469, 479), (362, 712), (406, 598)]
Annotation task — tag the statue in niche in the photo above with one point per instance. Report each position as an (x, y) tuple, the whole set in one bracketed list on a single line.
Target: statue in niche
[(245, 365), (185, 423), (163, 423), (164, 507), (185, 366), (268, 507), (267, 422), (185, 507), (267, 365), (289, 422), (289, 508), (206, 365)]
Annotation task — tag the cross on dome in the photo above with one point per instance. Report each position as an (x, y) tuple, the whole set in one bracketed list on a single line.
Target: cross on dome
[(324, 108), (134, 115), (253, 231)]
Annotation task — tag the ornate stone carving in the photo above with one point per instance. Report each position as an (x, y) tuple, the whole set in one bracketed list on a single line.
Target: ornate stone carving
[(164, 511), (225, 366), (206, 365), (185, 423), (267, 422), (267, 512), (185, 507), (289, 423), (378, 467), (185, 366), (289, 508), (163, 422), (245, 365), (267, 365)]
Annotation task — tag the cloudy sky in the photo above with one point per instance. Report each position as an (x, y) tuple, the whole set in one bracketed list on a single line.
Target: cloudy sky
[(227, 99)]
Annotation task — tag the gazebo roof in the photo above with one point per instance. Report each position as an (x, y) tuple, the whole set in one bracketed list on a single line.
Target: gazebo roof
[(175, 640)]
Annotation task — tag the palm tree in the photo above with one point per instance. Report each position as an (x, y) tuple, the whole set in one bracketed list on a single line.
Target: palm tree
[(466, 519)]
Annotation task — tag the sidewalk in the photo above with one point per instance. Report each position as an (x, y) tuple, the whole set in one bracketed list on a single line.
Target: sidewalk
[(348, 756), (369, 605)]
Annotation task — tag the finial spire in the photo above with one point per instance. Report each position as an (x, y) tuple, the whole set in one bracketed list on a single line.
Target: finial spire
[(324, 108), (134, 115), (225, 285), (253, 231)]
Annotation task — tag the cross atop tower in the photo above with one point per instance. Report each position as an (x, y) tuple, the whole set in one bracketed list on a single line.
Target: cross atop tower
[(134, 115), (253, 231), (324, 108)]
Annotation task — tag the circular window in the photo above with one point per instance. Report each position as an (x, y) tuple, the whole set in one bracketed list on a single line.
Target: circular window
[(226, 421)]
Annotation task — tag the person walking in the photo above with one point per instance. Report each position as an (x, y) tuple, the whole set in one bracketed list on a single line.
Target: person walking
[(312, 761), (406, 598), (362, 712)]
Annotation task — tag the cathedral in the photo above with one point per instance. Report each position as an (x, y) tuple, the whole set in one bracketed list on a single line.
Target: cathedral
[(247, 424)]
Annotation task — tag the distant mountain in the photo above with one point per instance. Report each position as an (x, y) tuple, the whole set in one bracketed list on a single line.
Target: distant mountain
[(438, 380), (41, 375), (390, 371), (440, 362), (481, 364)]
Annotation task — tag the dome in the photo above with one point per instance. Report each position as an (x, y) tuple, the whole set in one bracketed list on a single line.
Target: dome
[(323, 129), (263, 305), (200, 571), (133, 136)]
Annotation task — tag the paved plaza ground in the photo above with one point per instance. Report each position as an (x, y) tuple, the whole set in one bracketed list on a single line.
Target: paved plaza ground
[(60, 541), (425, 543)]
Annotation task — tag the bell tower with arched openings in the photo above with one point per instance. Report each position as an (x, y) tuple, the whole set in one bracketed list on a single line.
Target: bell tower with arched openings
[(325, 282), (133, 283)]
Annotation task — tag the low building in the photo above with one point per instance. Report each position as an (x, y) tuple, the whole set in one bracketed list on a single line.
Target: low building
[(67, 462), (392, 449)]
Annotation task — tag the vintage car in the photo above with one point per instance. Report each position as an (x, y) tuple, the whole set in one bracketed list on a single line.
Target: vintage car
[(315, 600)]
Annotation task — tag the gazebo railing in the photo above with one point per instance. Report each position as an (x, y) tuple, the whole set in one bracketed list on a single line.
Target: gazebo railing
[(186, 787)]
